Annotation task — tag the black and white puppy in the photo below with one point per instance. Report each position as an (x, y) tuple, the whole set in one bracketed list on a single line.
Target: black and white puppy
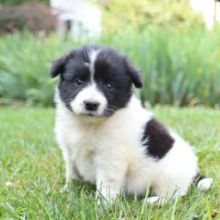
[(108, 138)]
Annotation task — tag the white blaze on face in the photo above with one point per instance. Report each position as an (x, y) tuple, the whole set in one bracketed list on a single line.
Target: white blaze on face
[(92, 58), (90, 93)]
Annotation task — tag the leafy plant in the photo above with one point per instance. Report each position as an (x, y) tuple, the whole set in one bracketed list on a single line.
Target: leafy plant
[(139, 15), (179, 67)]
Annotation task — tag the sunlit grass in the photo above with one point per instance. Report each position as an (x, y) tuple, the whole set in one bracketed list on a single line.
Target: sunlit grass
[(32, 163)]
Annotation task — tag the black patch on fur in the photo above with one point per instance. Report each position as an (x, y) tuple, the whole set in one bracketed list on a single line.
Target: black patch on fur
[(135, 75), (157, 139), (71, 67), (58, 66), (110, 68)]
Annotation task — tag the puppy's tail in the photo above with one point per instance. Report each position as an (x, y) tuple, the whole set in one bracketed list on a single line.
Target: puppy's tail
[(202, 183)]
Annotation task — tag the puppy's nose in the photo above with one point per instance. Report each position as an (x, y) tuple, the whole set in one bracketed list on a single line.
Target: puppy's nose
[(91, 106)]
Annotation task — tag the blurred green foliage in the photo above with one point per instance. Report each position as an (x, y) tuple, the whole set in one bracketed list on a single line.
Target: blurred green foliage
[(179, 59), (119, 15), (179, 67), (24, 67)]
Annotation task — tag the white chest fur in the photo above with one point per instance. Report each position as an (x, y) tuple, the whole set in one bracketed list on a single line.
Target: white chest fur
[(109, 153), (114, 141)]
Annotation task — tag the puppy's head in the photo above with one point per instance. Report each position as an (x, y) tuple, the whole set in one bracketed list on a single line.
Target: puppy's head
[(95, 81)]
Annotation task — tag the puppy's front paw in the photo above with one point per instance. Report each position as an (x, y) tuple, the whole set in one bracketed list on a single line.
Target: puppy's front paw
[(104, 199), (153, 200), (156, 200)]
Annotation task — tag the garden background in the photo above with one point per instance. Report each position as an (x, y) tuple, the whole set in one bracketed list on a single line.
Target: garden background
[(180, 63)]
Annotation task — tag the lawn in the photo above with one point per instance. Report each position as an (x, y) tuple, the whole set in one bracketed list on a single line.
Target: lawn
[(32, 170)]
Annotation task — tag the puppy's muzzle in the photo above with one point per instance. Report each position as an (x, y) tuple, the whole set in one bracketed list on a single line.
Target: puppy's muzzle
[(91, 106)]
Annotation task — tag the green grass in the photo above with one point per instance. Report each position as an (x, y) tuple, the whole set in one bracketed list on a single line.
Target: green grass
[(32, 162)]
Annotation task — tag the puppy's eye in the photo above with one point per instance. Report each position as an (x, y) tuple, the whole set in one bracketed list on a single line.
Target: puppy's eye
[(79, 82), (109, 86)]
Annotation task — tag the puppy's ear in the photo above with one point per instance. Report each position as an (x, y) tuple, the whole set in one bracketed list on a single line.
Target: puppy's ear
[(58, 66), (135, 75)]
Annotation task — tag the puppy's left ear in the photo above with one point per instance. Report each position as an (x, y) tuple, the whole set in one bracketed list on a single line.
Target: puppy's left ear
[(58, 66), (135, 75)]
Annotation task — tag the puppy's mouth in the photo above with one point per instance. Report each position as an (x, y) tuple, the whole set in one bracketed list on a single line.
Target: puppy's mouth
[(90, 117), (105, 114), (90, 114)]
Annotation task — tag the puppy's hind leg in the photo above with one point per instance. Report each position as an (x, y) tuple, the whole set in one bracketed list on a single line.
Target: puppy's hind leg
[(203, 183), (168, 190)]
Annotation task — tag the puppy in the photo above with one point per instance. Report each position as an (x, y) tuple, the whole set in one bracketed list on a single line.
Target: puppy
[(106, 136)]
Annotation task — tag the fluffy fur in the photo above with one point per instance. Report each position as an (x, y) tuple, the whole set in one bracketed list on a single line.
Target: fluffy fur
[(108, 138)]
